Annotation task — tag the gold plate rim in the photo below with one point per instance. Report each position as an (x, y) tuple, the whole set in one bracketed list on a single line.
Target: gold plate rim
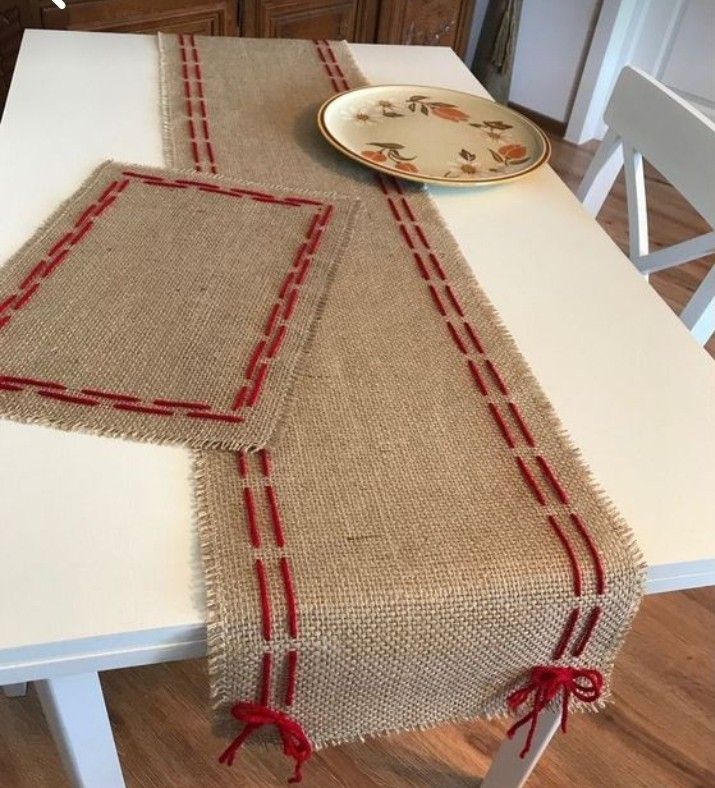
[(455, 182)]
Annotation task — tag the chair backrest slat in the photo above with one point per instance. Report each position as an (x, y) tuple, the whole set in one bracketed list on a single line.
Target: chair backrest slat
[(673, 136)]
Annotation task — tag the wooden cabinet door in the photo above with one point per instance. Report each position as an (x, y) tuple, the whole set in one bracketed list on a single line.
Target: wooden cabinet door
[(13, 20), (205, 17), (353, 20), (434, 22)]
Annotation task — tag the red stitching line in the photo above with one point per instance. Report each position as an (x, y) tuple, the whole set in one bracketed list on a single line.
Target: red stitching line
[(57, 259), (206, 186), (270, 323), (328, 69), (214, 416), (421, 266), (26, 296), (493, 371), (290, 303), (455, 301), (497, 377), (334, 62), (477, 377), (189, 103), (175, 403), (553, 481), (406, 236), (265, 599), (266, 664), (568, 547), (10, 299), (474, 337), (496, 415), (456, 338), (292, 659), (257, 386), (36, 271), (292, 621), (435, 262), (531, 481), (281, 293), (202, 105), (9, 387), (239, 398), (516, 413), (62, 241), (265, 458), (45, 384), (566, 634), (56, 255), (288, 584), (437, 301), (593, 552), (253, 361), (277, 342), (250, 508), (526, 473), (275, 516), (290, 598), (241, 464), (587, 632), (68, 398), (110, 395)]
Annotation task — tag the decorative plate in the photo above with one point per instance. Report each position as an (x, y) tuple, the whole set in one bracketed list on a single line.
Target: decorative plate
[(433, 135)]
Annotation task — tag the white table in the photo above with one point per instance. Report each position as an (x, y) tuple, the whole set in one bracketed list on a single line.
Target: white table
[(100, 558)]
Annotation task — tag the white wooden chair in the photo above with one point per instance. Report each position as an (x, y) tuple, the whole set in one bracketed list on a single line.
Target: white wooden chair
[(647, 120)]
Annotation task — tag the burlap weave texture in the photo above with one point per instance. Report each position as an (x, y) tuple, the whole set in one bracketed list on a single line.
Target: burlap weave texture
[(420, 533), (167, 307)]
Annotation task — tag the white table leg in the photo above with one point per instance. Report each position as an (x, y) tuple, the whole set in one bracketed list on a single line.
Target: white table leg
[(508, 770), (15, 690), (75, 711)]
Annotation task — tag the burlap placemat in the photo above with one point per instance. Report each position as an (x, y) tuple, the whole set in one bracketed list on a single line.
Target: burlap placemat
[(421, 541), (167, 307)]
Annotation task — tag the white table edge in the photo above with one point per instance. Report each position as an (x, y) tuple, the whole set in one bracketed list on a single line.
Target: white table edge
[(188, 641)]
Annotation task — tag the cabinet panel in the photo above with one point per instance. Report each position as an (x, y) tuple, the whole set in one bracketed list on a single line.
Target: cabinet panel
[(212, 17), (353, 20), (11, 26), (431, 22)]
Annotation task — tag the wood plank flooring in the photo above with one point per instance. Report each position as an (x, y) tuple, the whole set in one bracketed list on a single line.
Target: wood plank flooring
[(660, 732)]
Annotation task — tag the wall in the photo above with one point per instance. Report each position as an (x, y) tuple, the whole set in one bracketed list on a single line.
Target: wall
[(670, 39), (690, 66), (553, 40)]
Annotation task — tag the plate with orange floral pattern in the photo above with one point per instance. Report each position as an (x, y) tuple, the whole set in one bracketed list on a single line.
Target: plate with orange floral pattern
[(433, 135)]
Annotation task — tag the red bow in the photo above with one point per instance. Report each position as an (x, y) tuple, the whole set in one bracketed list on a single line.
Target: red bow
[(295, 742), (546, 682)]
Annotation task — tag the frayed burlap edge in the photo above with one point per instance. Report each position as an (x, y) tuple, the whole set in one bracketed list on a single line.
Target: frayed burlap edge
[(353, 207), (225, 727)]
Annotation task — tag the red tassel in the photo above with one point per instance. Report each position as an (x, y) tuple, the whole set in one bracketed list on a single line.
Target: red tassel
[(545, 683), (254, 716)]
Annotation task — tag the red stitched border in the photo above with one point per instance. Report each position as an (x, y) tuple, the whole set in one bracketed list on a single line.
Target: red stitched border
[(249, 394), (253, 521), (196, 116), (549, 474)]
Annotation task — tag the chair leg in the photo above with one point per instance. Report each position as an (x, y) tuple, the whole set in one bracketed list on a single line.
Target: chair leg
[(75, 711), (508, 770), (636, 204), (15, 690), (699, 312), (601, 173)]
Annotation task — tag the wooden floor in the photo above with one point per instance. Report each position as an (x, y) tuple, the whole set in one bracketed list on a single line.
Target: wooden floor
[(660, 732)]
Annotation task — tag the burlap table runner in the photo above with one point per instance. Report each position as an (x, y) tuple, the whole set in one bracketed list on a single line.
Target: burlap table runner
[(167, 307), (420, 541)]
